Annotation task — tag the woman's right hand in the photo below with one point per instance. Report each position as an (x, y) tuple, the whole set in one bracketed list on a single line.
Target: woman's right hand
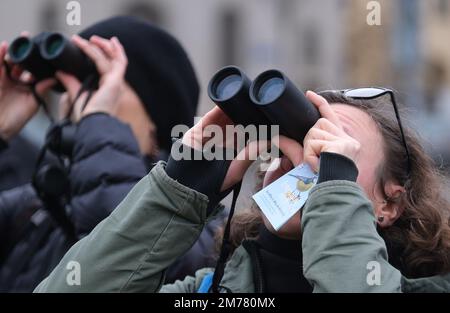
[(17, 103), (327, 135), (197, 137), (111, 62)]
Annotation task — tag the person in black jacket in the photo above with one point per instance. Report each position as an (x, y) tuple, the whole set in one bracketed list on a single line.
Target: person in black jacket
[(17, 162), (124, 127)]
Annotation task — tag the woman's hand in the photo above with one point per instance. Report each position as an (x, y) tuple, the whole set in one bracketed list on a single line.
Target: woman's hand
[(17, 103), (327, 135), (197, 137), (111, 62)]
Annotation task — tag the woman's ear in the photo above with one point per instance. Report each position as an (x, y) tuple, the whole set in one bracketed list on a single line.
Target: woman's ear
[(392, 208)]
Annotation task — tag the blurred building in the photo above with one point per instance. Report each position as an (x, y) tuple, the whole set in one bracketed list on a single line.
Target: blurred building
[(435, 78), (386, 54), (367, 48), (320, 44), (435, 34), (253, 34)]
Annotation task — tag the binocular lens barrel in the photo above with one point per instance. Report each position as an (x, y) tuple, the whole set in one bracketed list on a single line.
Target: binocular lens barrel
[(64, 55), (284, 104), (49, 52), (53, 45), (272, 99), (229, 89), (227, 83), (25, 52), (270, 90), (20, 49)]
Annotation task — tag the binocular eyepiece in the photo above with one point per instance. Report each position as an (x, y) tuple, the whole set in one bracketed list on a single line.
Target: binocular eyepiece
[(271, 99), (49, 52)]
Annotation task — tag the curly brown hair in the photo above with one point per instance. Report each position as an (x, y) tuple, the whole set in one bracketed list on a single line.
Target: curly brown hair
[(419, 241), (421, 235)]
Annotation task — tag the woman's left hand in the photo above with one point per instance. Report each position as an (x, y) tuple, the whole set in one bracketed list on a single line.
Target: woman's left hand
[(17, 103), (111, 62), (327, 135)]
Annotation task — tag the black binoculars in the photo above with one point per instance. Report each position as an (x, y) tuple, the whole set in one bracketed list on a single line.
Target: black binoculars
[(49, 52), (271, 99)]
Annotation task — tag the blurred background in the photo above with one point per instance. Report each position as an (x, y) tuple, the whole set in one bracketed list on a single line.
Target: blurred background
[(320, 44)]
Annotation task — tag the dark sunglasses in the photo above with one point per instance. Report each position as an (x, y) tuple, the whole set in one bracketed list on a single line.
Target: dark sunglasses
[(369, 93)]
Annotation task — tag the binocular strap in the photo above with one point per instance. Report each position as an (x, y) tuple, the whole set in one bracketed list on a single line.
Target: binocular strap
[(226, 246)]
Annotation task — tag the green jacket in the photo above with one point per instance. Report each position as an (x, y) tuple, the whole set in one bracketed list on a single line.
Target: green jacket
[(161, 219)]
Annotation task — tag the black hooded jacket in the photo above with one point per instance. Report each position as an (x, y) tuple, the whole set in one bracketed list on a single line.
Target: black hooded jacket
[(106, 161), (105, 166)]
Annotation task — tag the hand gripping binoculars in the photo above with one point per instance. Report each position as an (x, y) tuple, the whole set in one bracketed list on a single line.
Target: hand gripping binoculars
[(271, 99), (49, 52)]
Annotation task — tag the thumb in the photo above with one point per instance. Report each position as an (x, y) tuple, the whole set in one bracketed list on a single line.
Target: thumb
[(290, 147), (70, 83), (242, 162), (43, 86), (64, 106)]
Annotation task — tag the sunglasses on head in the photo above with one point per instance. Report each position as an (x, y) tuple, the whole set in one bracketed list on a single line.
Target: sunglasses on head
[(369, 93)]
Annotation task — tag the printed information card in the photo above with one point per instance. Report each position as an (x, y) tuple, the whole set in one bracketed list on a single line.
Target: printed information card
[(280, 200)]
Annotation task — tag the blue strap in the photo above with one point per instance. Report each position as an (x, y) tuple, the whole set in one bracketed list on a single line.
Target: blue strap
[(206, 283)]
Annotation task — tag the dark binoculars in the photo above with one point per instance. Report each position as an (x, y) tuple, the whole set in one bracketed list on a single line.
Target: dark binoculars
[(271, 99), (49, 52)]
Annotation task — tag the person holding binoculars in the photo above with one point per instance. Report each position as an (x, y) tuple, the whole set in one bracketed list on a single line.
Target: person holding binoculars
[(378, 195), (120, 102)]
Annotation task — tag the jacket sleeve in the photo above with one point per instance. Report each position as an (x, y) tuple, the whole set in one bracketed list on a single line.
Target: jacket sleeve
[(16, 207), (158, 221), (202, 253), (106, 164), (342, 251)]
